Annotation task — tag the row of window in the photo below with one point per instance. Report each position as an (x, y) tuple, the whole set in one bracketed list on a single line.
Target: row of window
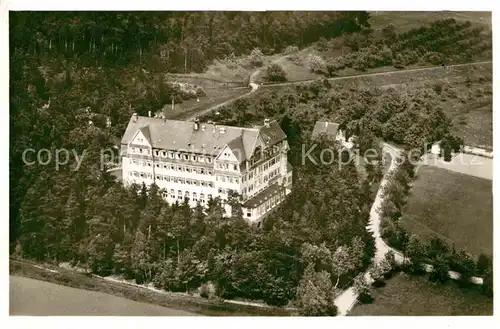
[(172, 179), (261, 180), (227, 179), (183, 156), (171, 166), (174, 155), (226, 166), (262, 168), (186, 195), (265, 207)]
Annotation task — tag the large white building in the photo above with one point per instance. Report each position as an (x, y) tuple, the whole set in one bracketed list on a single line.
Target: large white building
[(198, 161)]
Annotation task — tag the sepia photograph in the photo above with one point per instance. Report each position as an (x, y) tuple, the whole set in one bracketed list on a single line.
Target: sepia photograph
[(250, 163)]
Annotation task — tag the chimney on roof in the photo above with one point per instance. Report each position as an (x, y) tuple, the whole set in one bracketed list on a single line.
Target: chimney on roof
[(267, 123), (149, 114), (203, 127), (135, 117), (222, 130)]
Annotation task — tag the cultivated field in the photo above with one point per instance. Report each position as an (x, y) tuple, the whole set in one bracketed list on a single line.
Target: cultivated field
[(34, 297), (407, 20), (405, 295), (455, 207)]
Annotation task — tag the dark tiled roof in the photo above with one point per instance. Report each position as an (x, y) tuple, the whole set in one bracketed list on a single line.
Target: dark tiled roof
[(328, 128), (236, 145), (208, 139), (272, 134), (145, 131), (263, 196)]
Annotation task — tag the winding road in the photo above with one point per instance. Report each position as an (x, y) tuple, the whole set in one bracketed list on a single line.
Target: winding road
[(348, 298)]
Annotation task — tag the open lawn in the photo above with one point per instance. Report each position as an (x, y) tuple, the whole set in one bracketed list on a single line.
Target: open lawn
[(39, 298), (455, 207), (176, 301), (405, 295)]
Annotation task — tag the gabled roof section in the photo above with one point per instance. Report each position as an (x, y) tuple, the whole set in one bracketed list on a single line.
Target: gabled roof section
[(323, 127), (207, 139), (145, 131), (238, 149), (272, 134)]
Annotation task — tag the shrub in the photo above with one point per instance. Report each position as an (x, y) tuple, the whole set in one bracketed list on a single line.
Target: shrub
[(463, 264), (377, 273), (390, 261), (322, 44), (256, 57), (362, 288), (206, 291), (440, 270), (291, 50), (275, 73), (200, 92), (295, 58), (483, 264), (315, 63), (389, 31), (438, 88)]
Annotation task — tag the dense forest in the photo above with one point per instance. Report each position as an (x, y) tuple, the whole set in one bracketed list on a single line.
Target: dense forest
[(182, 41), (62, 62)]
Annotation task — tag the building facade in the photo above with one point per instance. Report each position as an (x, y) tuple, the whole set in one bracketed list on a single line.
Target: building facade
[(198, 161)]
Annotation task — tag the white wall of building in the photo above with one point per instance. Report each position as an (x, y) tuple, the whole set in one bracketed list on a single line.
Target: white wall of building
[(198, 176)]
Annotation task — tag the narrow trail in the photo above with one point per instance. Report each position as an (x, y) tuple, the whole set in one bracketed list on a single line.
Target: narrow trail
[(251, 85), (346, 300)]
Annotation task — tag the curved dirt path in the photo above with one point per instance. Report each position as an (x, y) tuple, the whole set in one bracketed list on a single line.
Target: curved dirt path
[(346, 300), (254, 86)]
